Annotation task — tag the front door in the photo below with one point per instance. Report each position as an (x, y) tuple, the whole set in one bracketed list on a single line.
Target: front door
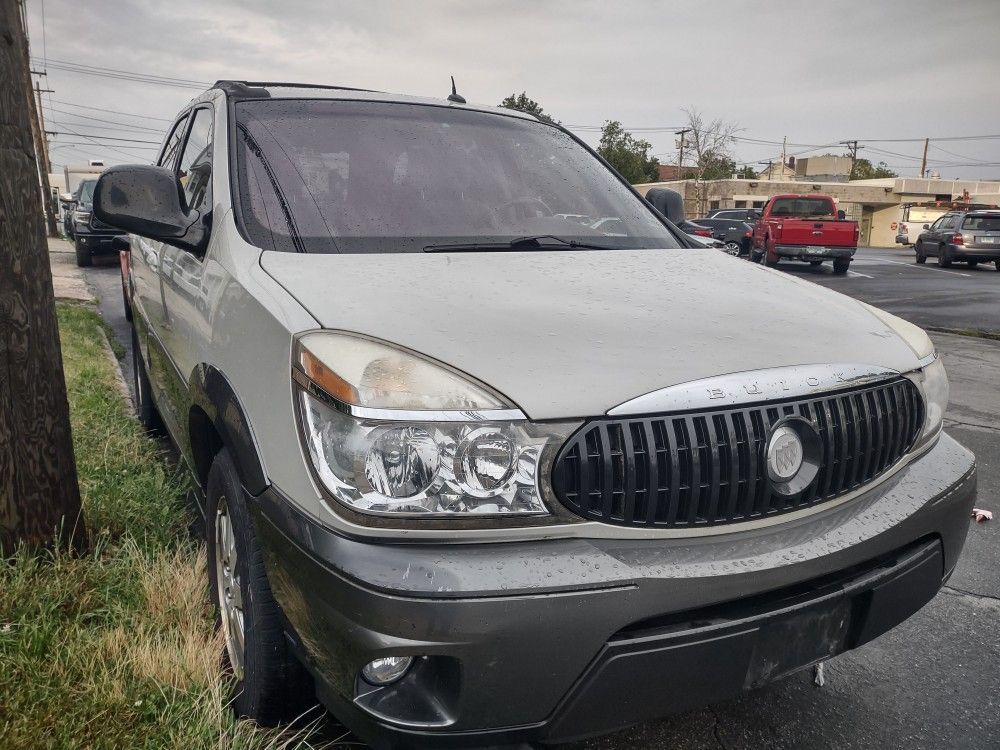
[(183, 276)]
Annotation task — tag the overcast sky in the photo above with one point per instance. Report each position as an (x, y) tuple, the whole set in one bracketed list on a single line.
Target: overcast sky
[(818, 72)]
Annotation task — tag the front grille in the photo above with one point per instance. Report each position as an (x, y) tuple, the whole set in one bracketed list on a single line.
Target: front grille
[(708, 468)]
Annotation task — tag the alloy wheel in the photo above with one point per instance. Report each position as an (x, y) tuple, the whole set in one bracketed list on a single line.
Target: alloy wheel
[(732, 248), (228, 587)]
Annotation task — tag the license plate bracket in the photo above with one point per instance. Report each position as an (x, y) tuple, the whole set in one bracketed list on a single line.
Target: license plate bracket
[(787, 644)]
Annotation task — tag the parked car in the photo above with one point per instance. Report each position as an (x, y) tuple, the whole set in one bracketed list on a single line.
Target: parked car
[(749, 215), (971, 237), (695, 228), (735, 235), (807, 228), (90, 236), (709, 242), (474, 473)]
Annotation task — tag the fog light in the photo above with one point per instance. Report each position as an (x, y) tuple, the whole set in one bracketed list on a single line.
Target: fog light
[(386, 670)]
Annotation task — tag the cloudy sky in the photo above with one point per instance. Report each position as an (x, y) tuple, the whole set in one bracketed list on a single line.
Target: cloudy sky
[(816, 73)]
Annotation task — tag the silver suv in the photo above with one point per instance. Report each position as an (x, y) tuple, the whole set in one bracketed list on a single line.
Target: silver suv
[(475, 471)]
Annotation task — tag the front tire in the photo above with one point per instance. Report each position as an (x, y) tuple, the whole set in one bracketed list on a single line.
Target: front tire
[(272, 686), (921, 256), (84, 258), (815, 263), (145, 409), (841, 265)]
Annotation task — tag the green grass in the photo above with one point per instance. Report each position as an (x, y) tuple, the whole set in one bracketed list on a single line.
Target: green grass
[(115, 648)]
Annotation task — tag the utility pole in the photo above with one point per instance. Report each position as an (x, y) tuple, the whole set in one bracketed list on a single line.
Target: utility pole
[(46, 163), (923, 161), (680, 151), (39, 493), (38, 136), (784, 145), (853, 147)]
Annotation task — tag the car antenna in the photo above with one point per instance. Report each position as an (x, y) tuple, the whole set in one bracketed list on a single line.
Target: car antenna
[(454, 96)]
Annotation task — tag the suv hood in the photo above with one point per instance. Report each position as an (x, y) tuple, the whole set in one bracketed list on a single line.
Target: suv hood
[(575, 333)]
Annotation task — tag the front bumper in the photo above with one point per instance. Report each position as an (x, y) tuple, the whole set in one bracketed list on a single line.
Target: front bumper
[(813, 252), (98, 241), (557, 639)]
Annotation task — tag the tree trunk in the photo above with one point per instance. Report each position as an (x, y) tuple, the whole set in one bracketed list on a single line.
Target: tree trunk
[(39, 494)]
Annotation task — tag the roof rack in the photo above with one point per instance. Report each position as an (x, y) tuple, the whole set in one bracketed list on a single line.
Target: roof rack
[(245, 88), (952, 205)]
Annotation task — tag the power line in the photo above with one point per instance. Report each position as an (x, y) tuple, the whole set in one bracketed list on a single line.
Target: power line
[(134, 77), (101, 69), (111, 111), (110, 122), (101, 137)]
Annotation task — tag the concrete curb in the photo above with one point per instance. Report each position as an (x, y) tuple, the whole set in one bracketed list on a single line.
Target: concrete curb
[(975, 333), (119, 376)]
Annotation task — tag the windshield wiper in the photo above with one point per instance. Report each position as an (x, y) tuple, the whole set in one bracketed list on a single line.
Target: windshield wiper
[(531, 242)]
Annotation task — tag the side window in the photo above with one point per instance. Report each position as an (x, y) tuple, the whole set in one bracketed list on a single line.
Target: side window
[(195, 169), (169, 156), (937, 224)]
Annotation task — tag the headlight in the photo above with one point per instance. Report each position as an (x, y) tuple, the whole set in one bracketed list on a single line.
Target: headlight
[(933, 383), (81, 216), (389, 431), (931, 379)]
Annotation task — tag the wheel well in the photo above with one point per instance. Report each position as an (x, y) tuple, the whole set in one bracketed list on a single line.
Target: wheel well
[(205, 443)]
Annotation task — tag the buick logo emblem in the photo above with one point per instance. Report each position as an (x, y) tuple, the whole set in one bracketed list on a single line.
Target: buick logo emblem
[(784, 454)]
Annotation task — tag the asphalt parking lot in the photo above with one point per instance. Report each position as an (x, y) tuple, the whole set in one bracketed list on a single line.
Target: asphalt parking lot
[(959, 297), (934, 680)]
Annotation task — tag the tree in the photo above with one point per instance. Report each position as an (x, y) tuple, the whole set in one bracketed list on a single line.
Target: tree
[(746, 172), (863, 170), (523, 103), (710, 143), (39, 494), (629, 155)]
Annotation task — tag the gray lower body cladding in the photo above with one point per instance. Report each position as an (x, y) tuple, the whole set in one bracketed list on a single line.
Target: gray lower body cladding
[(553, 640)]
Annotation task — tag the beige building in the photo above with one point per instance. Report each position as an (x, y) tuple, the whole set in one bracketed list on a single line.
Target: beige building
[(877, 205)]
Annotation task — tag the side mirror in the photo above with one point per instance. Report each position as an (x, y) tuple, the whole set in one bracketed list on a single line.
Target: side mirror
[(927, 226), (147, 201), (66, 198), (120, 243), (841, 214)]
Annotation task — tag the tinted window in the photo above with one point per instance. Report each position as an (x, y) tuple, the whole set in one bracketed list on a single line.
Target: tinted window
[(195, 171), (982, 223), (817, 207), (373, 177), (169, 156)]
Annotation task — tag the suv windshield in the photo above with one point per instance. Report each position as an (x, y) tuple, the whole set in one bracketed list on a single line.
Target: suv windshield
[(87, 191), (802, 207), (373, 177)]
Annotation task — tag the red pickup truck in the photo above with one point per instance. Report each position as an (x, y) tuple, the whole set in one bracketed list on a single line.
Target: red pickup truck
[(806, 228)]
